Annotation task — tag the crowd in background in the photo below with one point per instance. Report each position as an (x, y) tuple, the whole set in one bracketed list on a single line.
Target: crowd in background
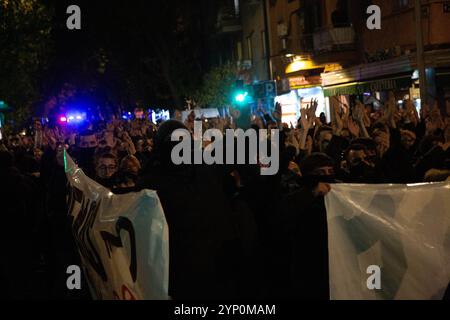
[(233, 232)]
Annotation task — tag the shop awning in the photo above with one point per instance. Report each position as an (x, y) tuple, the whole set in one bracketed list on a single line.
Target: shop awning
[(369, 86)]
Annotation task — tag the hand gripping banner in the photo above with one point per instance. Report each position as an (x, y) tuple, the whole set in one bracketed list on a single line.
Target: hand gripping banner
[(123, 240), (389, 241)]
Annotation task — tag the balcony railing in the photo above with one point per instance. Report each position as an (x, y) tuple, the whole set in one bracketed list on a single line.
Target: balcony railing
[(228, 21), (334, 39)]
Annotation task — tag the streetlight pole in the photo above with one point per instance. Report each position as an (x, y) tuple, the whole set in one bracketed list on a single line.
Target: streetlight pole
[(420, 51)]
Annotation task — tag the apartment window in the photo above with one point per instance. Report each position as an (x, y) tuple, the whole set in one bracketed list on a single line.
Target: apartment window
[(249, 48), (317, 14), (236, 7), (401, 4), (264, 44), (309, 18), (340, 16), (239, 50), (284, 44)]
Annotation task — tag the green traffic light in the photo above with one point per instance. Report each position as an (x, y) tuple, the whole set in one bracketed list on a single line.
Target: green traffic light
[(240, 97), (4, 106)]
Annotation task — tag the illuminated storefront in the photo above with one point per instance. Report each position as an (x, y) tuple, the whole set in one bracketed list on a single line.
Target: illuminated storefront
[(292, 102)]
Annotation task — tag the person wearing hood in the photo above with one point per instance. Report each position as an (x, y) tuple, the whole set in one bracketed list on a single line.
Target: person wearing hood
[(305, 230), (202, 239), (18, 206), (358, 167)]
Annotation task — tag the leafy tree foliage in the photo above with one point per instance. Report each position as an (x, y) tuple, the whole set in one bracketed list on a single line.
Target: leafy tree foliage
[(25, 41)]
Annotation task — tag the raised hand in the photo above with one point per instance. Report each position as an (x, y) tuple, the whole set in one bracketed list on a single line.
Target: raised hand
[(444, 146), (307, 121), (277, 113), (307, 117), (354, 128), (338, 123), (322, 189), (358, 113), (345, 115), (383, 143), (411, 112), (51, 138), (436, 117), (391, 110), (362, 121)]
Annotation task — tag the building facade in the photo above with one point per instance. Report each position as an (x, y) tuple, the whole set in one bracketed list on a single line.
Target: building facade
[(240, 37), (389, 56), (328, 42)]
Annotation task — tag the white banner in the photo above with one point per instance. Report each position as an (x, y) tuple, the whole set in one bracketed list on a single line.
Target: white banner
[(389, 241), (123, 240)]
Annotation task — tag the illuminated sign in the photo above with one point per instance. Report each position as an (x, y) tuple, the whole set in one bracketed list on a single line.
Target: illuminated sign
[(302, 81)]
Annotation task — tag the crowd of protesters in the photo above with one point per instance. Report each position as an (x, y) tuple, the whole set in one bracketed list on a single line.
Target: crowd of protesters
[(233, 232)]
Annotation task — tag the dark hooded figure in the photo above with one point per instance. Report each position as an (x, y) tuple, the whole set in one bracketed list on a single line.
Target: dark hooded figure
[(305, 231), (18, 208), (201, 237)]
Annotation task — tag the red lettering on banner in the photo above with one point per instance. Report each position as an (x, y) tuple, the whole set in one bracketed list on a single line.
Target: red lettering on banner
[(126, 294), (130, 295)]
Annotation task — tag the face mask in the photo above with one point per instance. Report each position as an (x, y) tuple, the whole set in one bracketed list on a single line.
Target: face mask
[(86, 156), (355, 162), (357, 170), (372, 159), (324, 145), (327, 179), (314, 179), (360, 169), (87, 152), (108, 182), (131, 176)]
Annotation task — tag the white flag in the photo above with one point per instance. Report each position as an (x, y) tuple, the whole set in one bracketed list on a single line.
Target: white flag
[(389, 241), (123, 240)]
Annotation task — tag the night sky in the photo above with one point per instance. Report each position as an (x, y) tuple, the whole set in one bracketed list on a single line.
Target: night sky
[(146, 50)]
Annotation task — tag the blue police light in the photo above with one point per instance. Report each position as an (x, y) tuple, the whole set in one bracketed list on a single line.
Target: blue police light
[(127, 116), (76, 117)]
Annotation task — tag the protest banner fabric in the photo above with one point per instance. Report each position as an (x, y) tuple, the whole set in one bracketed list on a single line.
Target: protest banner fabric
[(123, 240), (402, 229)]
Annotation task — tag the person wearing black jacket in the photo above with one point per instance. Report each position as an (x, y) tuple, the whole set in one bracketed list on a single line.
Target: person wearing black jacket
[(203, 247), (18, 209), (61, 249), (305, 230)]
